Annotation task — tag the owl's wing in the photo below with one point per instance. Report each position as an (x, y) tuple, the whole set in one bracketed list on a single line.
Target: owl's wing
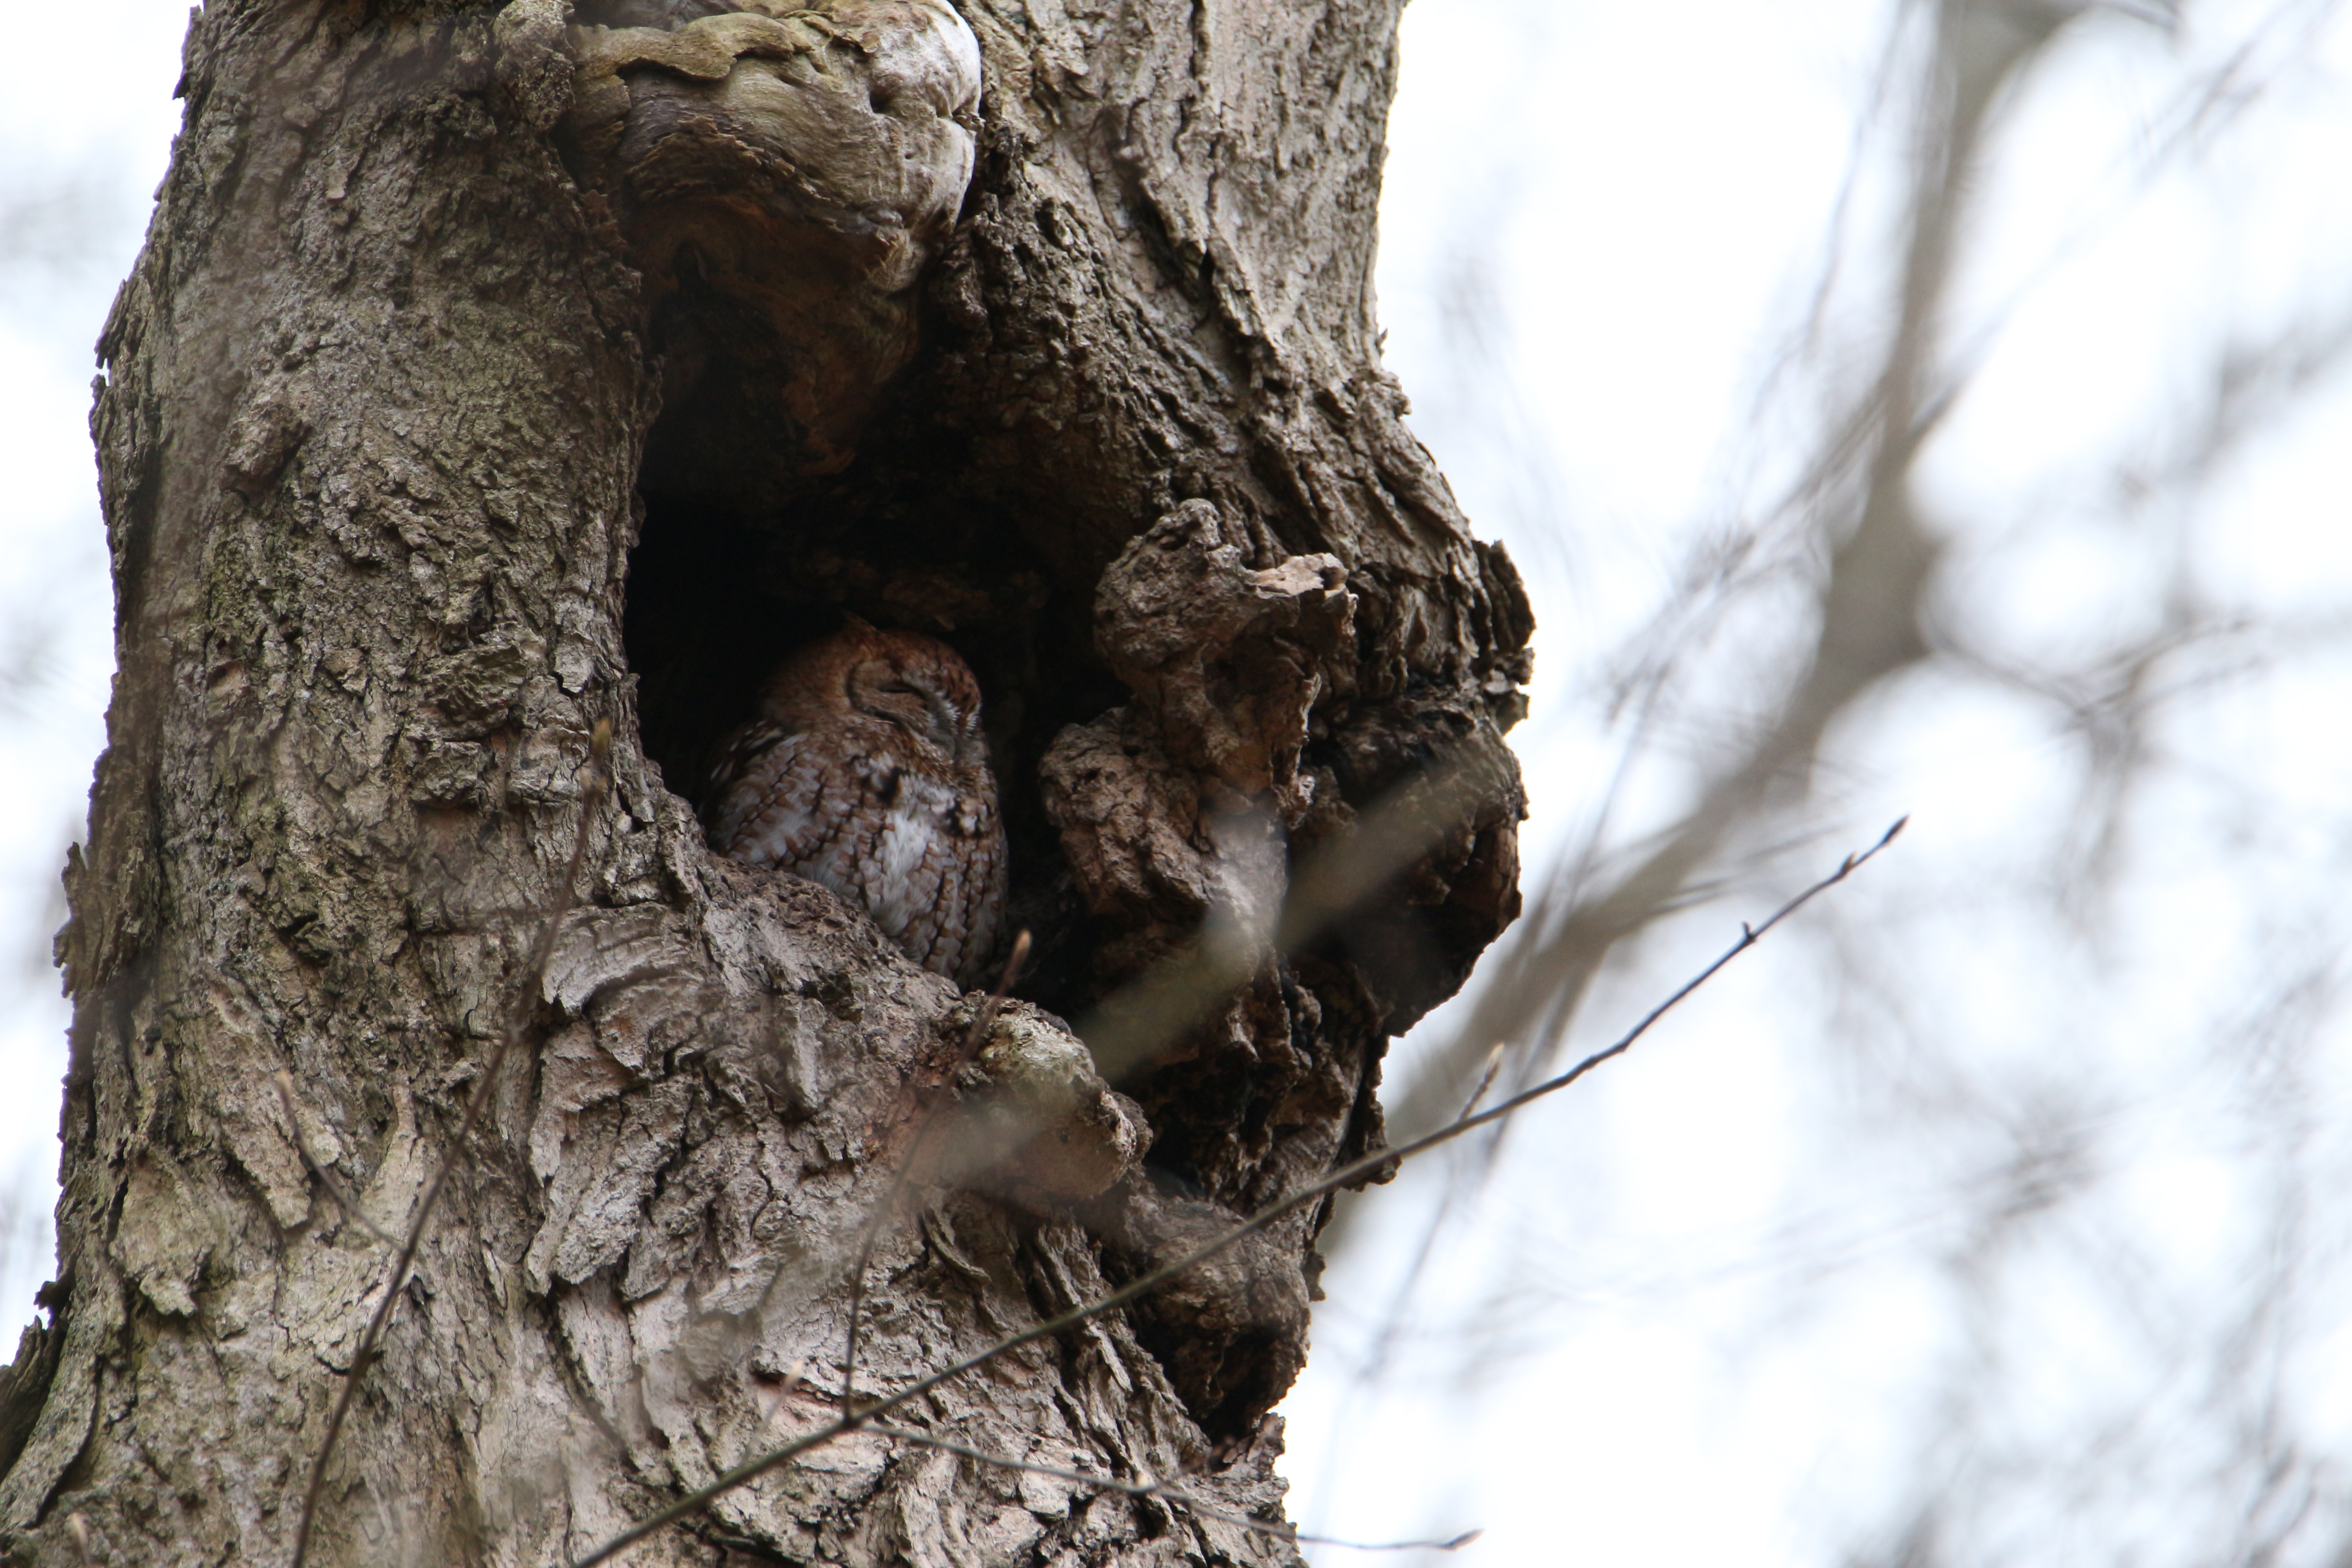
[(767, 794)]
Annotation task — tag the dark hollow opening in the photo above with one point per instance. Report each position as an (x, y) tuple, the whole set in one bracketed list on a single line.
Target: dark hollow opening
[(737, 564)]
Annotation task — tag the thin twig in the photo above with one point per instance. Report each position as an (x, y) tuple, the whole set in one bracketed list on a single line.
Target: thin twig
[(1169, 1495), (1485, 1078), (335, 1189), (1345, 1175), (905, 1174), (560, 904)]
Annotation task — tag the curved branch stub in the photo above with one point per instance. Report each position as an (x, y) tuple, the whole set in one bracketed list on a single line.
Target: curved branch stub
[(1175, 807)]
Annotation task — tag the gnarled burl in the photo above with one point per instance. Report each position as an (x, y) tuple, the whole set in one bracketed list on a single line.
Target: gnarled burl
[(782, 175), (492, 371)]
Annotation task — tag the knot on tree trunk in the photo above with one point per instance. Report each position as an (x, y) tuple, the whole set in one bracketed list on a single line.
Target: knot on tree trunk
[(1174, 810), (1039, 1123), (780, 180), (1414, 880), (1226, 661)]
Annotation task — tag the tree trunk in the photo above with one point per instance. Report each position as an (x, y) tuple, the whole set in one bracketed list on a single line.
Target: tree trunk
[(494, 373)]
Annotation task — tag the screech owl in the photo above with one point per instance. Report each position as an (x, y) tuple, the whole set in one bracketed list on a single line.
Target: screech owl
[(866, 771)]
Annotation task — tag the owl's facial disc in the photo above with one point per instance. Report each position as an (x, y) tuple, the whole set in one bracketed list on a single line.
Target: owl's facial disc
[(905, 699)]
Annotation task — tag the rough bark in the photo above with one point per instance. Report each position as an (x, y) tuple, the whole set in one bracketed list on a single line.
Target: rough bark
[(486, 376)]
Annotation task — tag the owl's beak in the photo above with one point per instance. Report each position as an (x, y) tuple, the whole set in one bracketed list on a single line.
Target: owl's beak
[(944, 719)]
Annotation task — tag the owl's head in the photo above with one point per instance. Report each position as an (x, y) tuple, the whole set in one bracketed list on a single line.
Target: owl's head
[(918, 684)]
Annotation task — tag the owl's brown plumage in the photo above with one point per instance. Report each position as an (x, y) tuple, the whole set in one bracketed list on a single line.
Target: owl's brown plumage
[(866, 771)]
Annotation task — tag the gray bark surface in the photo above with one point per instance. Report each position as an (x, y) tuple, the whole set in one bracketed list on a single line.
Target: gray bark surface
[(492, 373)]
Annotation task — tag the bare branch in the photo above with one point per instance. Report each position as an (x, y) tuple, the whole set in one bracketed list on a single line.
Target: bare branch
[(1854, 500)]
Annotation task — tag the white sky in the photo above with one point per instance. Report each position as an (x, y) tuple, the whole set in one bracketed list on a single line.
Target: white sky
[(58, 270), (1706, 1311)]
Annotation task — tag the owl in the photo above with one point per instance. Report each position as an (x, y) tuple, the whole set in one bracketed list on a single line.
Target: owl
[(865, 770)]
